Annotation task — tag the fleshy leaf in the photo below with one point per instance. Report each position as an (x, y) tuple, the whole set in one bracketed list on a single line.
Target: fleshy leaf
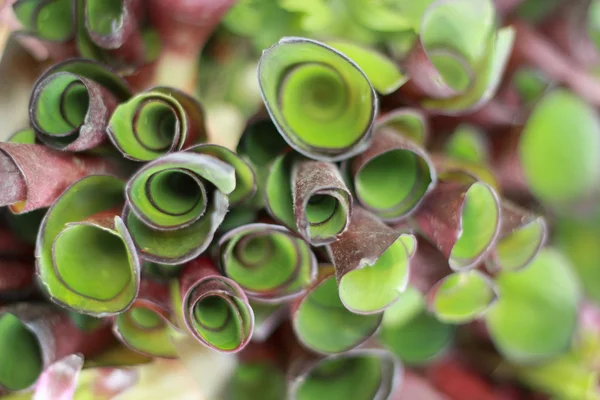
[(462, 296), (360, 374), (310, 88), (309, 197), (27, 183), (462, 220), (393, 176), (382, 72), (215, 309), (267, 261), (371, 263), (59, 380), (467, 143), (536, 312), (156, 122), (86, 259), (323, 324), (408, 122), (557, 149), (176, 203), (48, 20), (256, 380), (521, 237)]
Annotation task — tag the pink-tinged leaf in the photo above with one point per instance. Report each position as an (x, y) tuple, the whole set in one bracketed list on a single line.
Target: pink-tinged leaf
[(27, 182), (111, 382), (59, 380)]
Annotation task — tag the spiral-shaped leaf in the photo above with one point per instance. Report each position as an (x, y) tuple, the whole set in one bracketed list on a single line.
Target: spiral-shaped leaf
[(309, 88), (176, 203), (309, 197), (86, 259), (49, 20), (541, 300), (323, 324), (371, 263), (148, 324), (392, 177), (35, 335), (459, 72), (561, 127), (361, 374), (383, 73), (267, 261), (156, 122), (71, 103), (521, 237), (114, 32), (462, 220), (214, 308), (28, 184), (462, 296), (415, 336)]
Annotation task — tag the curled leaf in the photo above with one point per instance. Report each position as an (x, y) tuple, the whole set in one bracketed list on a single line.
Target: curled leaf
[(371, 263), (310, 88), (267, 261), (462, 220), (322, 323), (521, 237), (47, 20), (176, 203), (460, 57), (148, 324), (28, 184), (86, 259), (309, 197), (34, 336), (59, 380), (158, 121), (408, 122), (361, 374), (215, 309), (392, 177)]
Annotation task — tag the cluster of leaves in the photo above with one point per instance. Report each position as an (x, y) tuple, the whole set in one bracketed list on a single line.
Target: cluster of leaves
[(388, 205)]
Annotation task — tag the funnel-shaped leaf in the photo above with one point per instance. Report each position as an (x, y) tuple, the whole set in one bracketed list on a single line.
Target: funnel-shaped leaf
[(86, 259), (48, 20), (114, 32), (267, 261), (215, 309), (176, 203), (33, 176), (462, 220), (460, 58), (462, 297), (309, 197), (371, 263), (322, 323), (70, 112), (558, 149), (382, 72), (360, 374), (521, 237), (256, 380), (408, 122), (536, 312), (392, 177), (411, 333), (310, 88), (147, 325), (156, 122), (35, 335)]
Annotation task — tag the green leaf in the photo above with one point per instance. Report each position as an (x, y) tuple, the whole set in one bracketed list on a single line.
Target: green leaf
[(85, 257), (557, 149), (323, 324), (176, 203), (256, 380), (469, 144), (536, 312), (408, 122), (156, 122), (389, 15), (49, 20), (384, 74), (463, 296), (21, 356), (310, 88), (359, 375), (267, 261)]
